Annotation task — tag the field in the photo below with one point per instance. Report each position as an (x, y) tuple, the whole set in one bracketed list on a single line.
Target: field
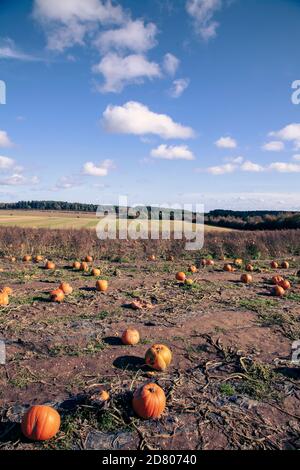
[(231, 383), (70, 220)]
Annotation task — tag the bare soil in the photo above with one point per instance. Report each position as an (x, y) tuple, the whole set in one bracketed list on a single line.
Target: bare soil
[(231, 384)]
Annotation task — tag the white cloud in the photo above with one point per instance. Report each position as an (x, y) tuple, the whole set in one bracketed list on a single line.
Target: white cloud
[(8, 50), (171, 64), (283, 167), (289, 133), (6, 163), (17, 179), (296, 158), (5, 140), (222, 169), (136, 118), (68, 22), (237, 160), (176, 152), (226, 143), (134, 36), (120, 71), (252, 167), (274, 146), (89, 168), (178, 87), (202, 13)]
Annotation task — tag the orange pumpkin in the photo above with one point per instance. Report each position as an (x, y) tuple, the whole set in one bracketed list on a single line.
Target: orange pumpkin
[(152, 258), (50, 265), (4, 300), (40, 423), (228, 268), (88, 259), (102, 285), (285, 284), (95, 272), (84, 266), (26, 258), (238, 262), (76, 265), (38, 259), (274, 265), (130, 337), (277, 280), (203, 262), (278, 291), (246, 278), (249, 268), (180, 276), (57, 295), (158, 357), (6, 290), (192, 269), (210, 262), (285, 265), (66, 288), (149, 401)]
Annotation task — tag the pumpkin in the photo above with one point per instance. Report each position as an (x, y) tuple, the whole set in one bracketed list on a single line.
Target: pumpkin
[(203, 262), (84, 266), (26, 258), (158, 357), (12, 259), (192, 269), (274, 265), (95, 272), (66, 288), (76, 265), (170, 258), (102, 285), (238, 262), (277, 279), (57, 295), (50, 265), (189, 282), (246, 278), (228, 268), (6, 290), (4, 300), (152, 258), (40, 423), (38, 259), (100, 397), (210, 262), (285, 284), (88, 259), (131, 337), (149, 401), (249, 268), (180, 276), (285, 265), (278, 291)]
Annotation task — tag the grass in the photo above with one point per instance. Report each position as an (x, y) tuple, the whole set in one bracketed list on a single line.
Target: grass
[(227, 390), (93, 347), (258, 304)]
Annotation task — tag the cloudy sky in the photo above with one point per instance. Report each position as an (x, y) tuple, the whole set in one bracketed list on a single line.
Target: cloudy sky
[(166, 101)]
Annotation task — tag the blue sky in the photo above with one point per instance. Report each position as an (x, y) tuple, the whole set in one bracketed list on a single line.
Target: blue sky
[(166, 101)]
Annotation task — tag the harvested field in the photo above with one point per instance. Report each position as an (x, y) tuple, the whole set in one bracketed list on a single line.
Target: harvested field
[(231, 383)]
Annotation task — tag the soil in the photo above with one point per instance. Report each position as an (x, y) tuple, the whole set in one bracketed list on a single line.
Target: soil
[(231, 383)]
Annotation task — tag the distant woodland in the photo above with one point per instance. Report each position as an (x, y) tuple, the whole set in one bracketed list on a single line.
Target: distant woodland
[(242, 220)]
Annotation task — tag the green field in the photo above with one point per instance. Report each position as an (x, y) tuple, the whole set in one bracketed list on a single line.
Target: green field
[(64, 220)]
